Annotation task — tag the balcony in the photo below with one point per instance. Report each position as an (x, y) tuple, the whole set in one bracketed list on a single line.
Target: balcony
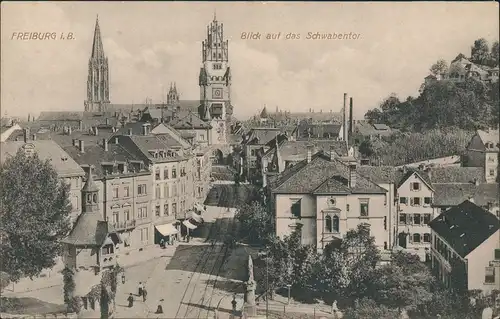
[(124, 225)]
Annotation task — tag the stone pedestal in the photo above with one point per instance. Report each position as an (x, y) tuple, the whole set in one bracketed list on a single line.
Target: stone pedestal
[(249, 307)]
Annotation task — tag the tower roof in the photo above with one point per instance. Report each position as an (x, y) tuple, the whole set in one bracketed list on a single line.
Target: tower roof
[(90, 186), (263, 113), (97, 48)]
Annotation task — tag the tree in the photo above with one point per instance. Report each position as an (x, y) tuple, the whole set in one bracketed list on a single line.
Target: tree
[(480, 51), (366, 148), (367, 308), (256, 223), (494, 55), (440, 67), (34, 215)]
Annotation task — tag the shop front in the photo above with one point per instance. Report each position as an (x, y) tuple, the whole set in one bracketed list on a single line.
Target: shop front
[(166, 234)]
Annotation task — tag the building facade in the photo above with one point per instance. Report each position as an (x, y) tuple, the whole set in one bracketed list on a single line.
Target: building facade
[(465, 251), (483, 151)]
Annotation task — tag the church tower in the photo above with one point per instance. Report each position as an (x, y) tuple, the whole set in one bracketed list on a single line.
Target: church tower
[(90, 195), (173, 97), (98, 78), (215, 82)]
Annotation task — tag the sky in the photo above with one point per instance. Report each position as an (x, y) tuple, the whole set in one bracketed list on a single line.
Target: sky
[(151, 44)]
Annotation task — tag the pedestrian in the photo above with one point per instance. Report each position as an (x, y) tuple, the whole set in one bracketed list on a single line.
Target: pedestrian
[(159, 309), (130, 300), (233, 303), (162, 243), (144, 294), (141, 287)]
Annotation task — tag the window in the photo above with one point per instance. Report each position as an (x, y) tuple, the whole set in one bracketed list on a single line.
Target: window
[(174, 190), (142, 212), (167, 191), (126, 215), (174, 173), (363, 207), (144, 235), (415, 201), (402, 219), (416, 219), (335, 223), (157, 191), (165, 173), (328, 224), (115, 192), (165, 209), (427, 218), (489, 276), (415, 186), (174, 208), (295, 208), (427, 200), (116, 219), (491, 158), (127, 191), (492, 172), (107, 250), (416, 238), (202, 137), (141, 189), (157, 210), (157, 174), (427, 238), (347, 207)]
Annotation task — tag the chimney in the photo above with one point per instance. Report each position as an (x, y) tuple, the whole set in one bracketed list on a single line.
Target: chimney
[(80, 125), (352, 174), (476, 181), (350, 116), (105, 144), (26, 135), (332, 153), (96, 131), (117, 140), (82, 146), (129, 132), (107, 120), (69, 130), (344, 119), (309, 153), (33, 137), (145, 129), (75, 142)]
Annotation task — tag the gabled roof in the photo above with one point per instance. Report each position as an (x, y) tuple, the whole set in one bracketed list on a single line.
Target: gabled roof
[(297, 150), (378, 174), (261, 136), (402, 177), (452, 174), (491, 136), (310, 178), (465, 227), (452, 194), (190, 121), (145, 144), (64, 165), (89, 230)]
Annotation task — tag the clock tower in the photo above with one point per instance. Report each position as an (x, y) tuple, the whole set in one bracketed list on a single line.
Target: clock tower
[(215, 83)]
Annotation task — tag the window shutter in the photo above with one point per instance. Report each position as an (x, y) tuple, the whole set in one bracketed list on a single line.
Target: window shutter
[(411, 201), (410, 238)]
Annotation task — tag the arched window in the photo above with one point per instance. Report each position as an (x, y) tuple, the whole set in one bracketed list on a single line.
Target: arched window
[(336, 223), (416, 238), (328, 224), (95, 198), (89, 198)]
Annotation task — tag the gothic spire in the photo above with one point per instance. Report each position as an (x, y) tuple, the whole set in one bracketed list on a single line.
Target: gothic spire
[(97, 48)]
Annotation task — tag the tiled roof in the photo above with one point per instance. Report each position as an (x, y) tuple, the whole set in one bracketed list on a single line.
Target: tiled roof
[(60, 116), (378, 174), (297, 150), (491, 136), (453, 194), (465, 227), (313, 116), (261, 136), (453, 174), (89, 139), (401, 176), (190, 121), (89, 230), (95, 155), (307, 178), (145, 144), (318, 130), (64, 165), (366, 129)]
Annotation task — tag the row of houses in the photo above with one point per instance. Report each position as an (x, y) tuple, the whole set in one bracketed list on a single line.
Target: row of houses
[(319, 187), (140, 182)]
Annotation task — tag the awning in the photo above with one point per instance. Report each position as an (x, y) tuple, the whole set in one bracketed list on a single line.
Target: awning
[(166, 229), (197, 218), (189, 225)]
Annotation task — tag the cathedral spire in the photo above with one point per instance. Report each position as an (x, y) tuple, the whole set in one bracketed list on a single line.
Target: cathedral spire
[(97, 48), (215, 14)]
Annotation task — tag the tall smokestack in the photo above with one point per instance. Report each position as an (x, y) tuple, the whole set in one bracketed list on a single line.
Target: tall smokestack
[(344, 119), (350, 116)]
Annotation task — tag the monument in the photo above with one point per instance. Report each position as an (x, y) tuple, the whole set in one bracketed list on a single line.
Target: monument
[(250, 308)]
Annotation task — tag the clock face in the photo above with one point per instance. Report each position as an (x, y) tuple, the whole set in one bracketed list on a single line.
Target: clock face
[(217, 93)]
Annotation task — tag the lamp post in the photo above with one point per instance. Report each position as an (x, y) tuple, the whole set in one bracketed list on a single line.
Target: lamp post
[(289, 286)]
